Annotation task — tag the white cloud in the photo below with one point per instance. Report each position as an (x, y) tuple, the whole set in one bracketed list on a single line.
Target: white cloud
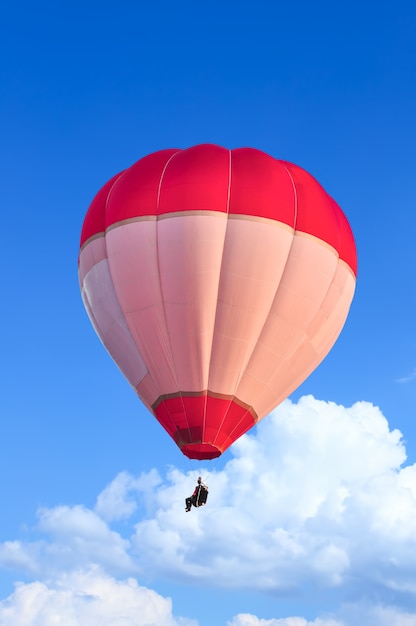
[(21, 557), (80, 536), (119, 499), (90, 598), (76, 537)]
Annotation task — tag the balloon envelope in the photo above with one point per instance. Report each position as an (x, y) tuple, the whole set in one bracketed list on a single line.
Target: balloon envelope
[(217, 280)]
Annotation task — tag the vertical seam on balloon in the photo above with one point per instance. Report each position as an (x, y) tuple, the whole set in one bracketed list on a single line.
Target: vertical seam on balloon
[(229, 182), (160, 288), (295, 195), (160, 183), (228, 211)]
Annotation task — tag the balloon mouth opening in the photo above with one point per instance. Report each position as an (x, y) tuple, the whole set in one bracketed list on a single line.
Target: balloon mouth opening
[(201, 451)]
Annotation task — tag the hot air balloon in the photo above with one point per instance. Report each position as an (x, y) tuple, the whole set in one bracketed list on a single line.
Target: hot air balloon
[(217, 280)]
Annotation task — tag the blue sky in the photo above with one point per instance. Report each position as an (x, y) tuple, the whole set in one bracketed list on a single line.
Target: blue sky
[(92, 522)]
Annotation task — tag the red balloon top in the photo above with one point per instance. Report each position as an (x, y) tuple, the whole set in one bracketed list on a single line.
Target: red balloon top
[(208, 177)]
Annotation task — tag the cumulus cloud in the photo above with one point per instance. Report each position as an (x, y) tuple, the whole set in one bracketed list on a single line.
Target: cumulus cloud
[(75, 537), (318, 497), (90, 598), (120, 499)]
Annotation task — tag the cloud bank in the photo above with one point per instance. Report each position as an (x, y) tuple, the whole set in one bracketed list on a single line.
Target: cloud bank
[(319, 497)]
